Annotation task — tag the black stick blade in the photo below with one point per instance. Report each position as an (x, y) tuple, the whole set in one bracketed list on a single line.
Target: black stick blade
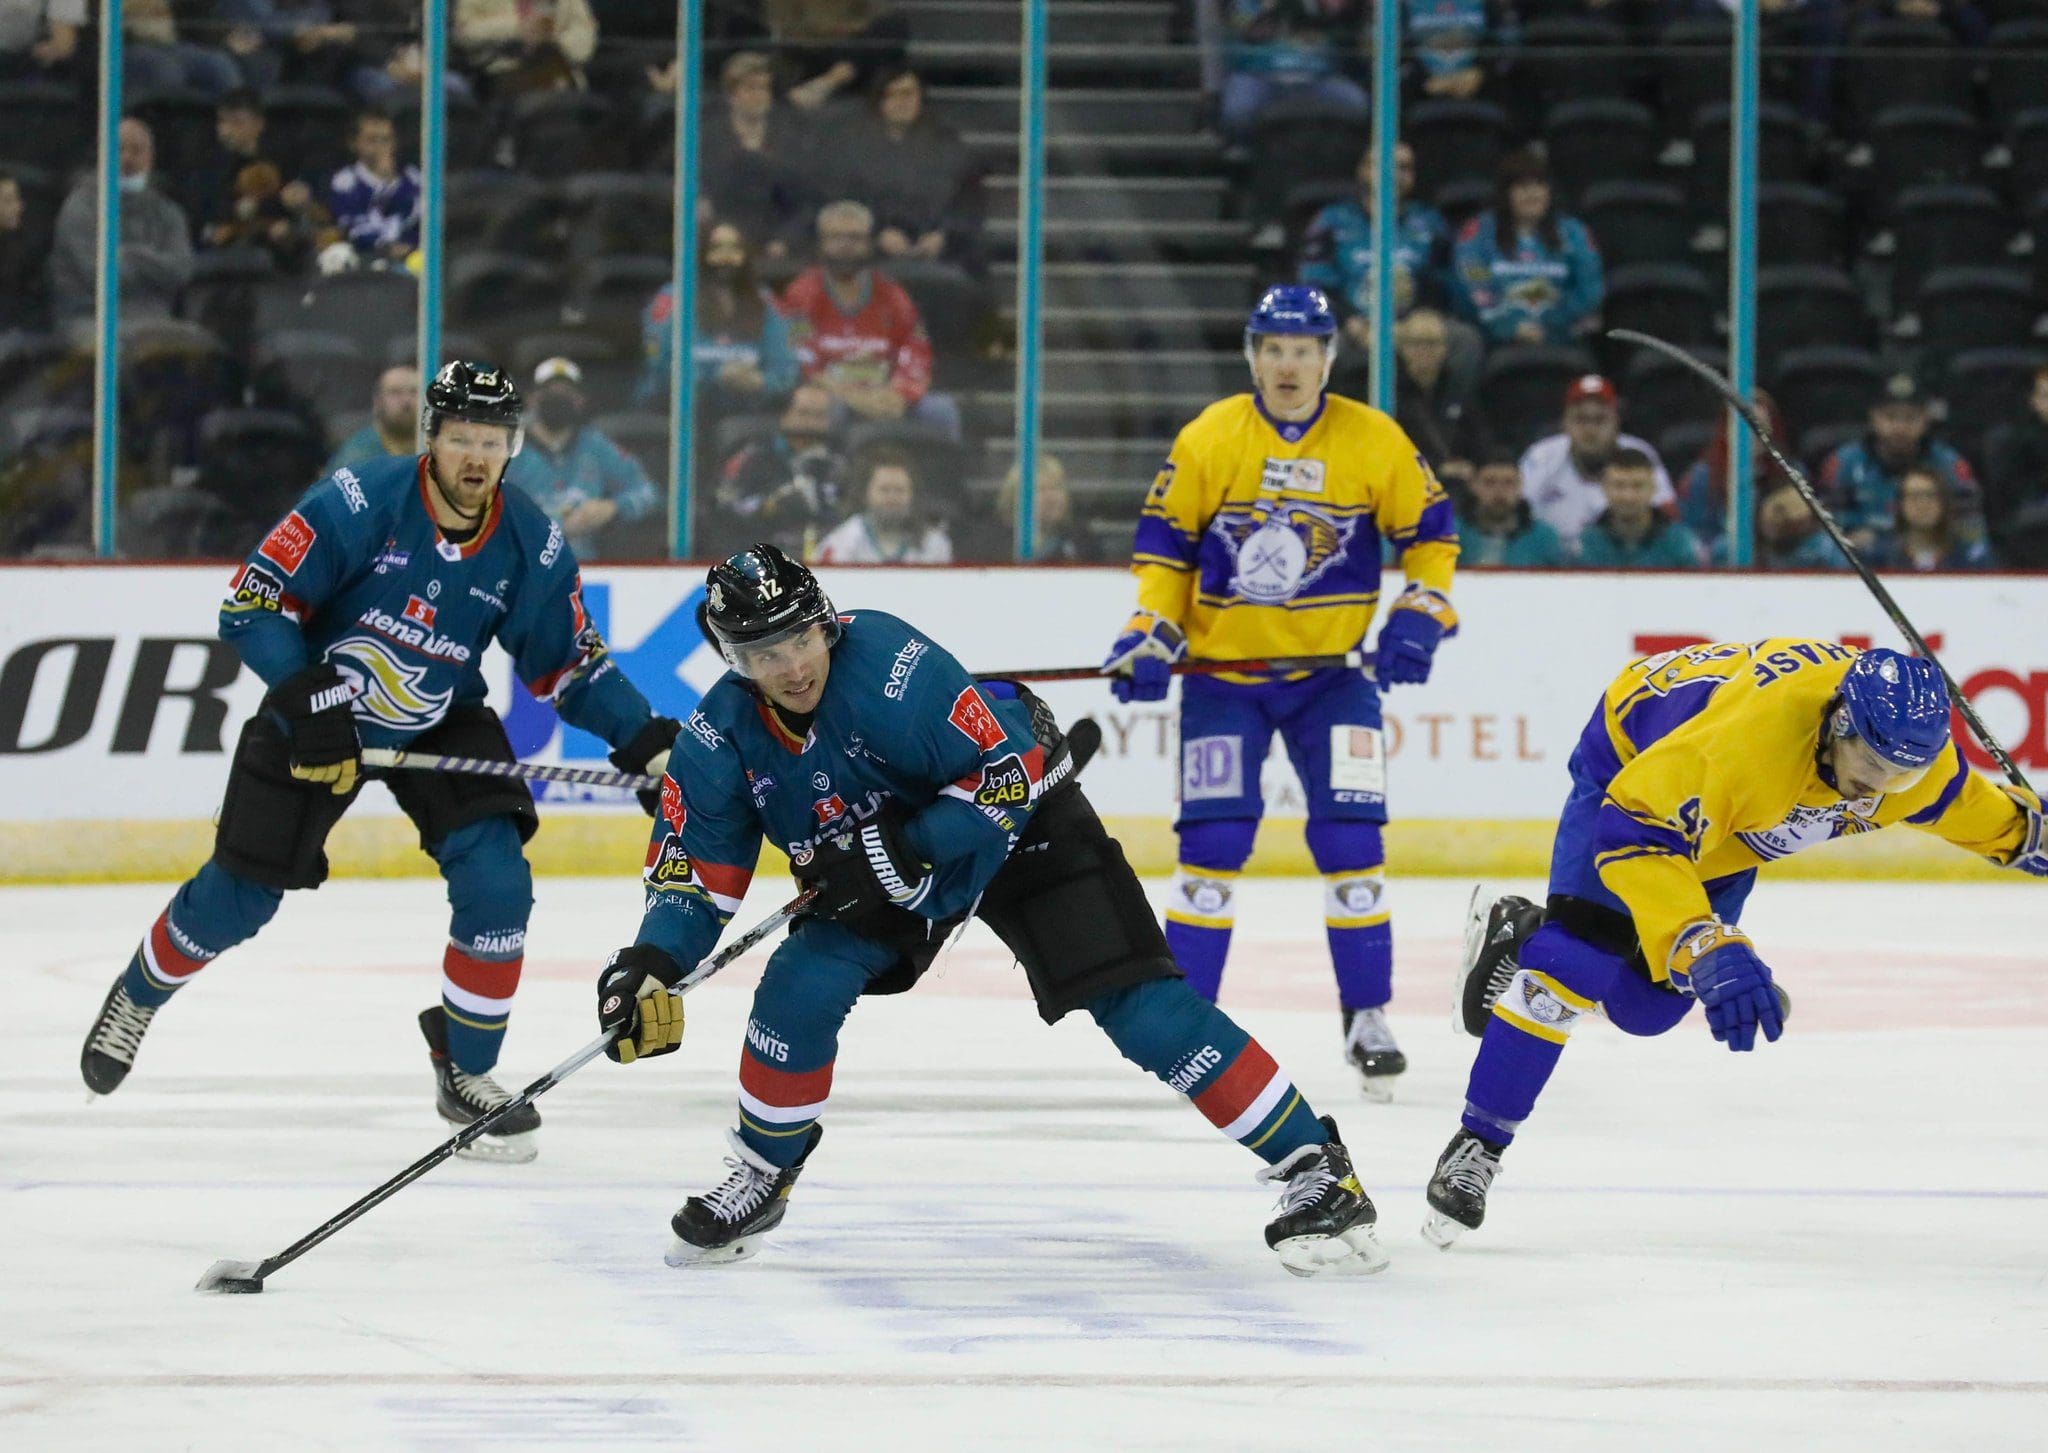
[(230, 1276)]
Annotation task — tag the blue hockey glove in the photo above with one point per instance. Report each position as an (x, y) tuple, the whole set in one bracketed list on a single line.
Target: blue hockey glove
[(1418, 621), (1141, 660), (2032, 854), (1714, 963)]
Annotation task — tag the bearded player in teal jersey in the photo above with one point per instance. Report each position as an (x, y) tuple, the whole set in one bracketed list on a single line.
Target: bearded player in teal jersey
[(366, 612), (912, 797)]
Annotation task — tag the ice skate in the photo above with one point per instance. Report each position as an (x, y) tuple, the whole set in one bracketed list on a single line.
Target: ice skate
[(461, 1098), (728, 1222), (111, 1043), (1369, 1048), (1457, 1192), (1495, 929), (1325, 1220)]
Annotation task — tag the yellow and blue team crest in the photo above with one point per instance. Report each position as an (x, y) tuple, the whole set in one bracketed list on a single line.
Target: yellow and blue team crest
[(1282, 548)]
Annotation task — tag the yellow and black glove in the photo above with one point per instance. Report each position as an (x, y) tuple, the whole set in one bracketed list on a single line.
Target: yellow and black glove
[(313, 707), (634, 1004)]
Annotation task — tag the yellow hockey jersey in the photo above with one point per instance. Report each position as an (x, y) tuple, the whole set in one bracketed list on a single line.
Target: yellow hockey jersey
[(1263, 538), (1710, 759)]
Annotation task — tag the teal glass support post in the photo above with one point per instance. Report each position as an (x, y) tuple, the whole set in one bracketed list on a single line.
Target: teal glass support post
[(1742, 221), (106, 374), (682, 322), (433, 179), (1030, 266), (1386, 135)]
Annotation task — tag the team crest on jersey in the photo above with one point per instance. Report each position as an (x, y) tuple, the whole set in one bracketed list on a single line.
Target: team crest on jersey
[(1298, 476), (389, 691), (829, 809), (1279, 551), (1809, 825), (418, 610)]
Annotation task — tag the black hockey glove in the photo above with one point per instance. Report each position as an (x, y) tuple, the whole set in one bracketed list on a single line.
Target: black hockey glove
[(863, 874), (635, 1007), (313, 706), (647, 753)]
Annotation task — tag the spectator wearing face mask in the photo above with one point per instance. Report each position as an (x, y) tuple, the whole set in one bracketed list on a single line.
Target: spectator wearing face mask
[(569, 468), (788, 488), (890, 529), (155, 248), (743, 356)]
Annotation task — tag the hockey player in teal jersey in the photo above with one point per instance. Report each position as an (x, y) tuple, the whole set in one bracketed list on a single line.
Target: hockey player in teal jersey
[(366, 612), (912, 797)]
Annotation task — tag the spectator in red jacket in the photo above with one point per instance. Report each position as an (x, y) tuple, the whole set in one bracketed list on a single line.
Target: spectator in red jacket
[(858, 333)]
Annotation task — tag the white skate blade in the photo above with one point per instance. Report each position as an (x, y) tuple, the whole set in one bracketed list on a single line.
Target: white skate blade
[(503, 1149), (1379, 1089), (1441, 1231), (682, 1255), (1356, 1252)]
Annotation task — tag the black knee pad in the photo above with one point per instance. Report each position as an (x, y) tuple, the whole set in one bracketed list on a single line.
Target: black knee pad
[(273, 827), (441, 802), (1069, 907)]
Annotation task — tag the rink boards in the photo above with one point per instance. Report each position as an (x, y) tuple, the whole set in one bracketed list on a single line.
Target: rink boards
[(118, 705)]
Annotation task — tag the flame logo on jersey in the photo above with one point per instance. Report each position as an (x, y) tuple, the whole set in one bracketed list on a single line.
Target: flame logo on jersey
[(1281, 549), (389, 691)]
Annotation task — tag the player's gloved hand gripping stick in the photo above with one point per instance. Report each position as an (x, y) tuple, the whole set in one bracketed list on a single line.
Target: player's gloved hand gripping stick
[(244, 1276)]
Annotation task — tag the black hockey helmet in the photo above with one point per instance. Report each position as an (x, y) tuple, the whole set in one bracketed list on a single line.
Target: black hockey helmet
[(473, 393), (760, 596)]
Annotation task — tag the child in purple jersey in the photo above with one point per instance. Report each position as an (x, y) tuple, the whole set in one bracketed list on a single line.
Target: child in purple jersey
[(911, 796), (366, 611)]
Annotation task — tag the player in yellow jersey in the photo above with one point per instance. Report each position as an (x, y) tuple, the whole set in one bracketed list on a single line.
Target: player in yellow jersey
[(1262, 537), (1698, 768)]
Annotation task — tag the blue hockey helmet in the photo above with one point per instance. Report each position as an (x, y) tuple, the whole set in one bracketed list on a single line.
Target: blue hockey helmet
[(1897, 705), (1293, 310)]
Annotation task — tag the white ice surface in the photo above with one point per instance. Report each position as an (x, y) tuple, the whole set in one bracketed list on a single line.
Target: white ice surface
[(1011, 1239)]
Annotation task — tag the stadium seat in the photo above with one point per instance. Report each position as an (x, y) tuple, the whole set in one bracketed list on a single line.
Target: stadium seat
[(1300, 139), (645, 436), (953, 305), (610, 293), (172, 373), (1915, 146), (1521, 389), (560, 133), (942, 463), (1681, 446), (1891, 63), (181, 123), (470, 137), (1781, 152), (502, 296), (370, 304), (1691, 64), (1659, 393), (172, 523), (1567, 60), (1987, 387), (332, 372), (1598, 140), (1454, 141), (45, 125), (2016, 69), (2026, 142), (1825, 385), (1816, 444), (621, 214), (1667, 300), (307, 130), (1945, 226), (221, 294), (1802, 306), (1797, 223), (257, 461), (474, 199), (26, 363), (1461, 201), (1974, 307), (1636, 222), (610, 371)]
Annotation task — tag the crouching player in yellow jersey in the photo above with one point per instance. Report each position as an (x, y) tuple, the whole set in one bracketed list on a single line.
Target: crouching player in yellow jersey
[(1699, 767), (1262, 537)]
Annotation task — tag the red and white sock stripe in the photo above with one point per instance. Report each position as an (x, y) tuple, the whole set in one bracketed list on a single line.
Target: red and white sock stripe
[(1239, 1099), (775, 1097), (169, 956), (481, 988)]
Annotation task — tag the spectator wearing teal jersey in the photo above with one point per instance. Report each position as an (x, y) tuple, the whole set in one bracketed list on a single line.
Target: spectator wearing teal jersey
[(394, 421), (1522, 271), (1630, 534), (1498, 529), (1788, 536), (743, 357), (570, 469)]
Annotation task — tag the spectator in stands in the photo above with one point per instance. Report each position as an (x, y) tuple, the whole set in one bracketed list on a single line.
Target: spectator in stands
[(24, 262), (154, 56), (1631, 534), (1927, 535), (569, 468), (1434, 396), (1444, 42), (827, 47), (521, 46), (890, 529), (388, 57), (788, 488), (743, 356), (751, 157), (155, 248), (1522, 272), (1498, 528), (1802, 41), (916, 175), (375, 202), (1963, 20), (39, 39), (1058, 538), (301, 41), (1288, 47), (2016, 482), (1562, 474), (1861, 479), (858, 333), (1788, 534), (1336, 250), (394, 421), (1703, 493), (242, 197)]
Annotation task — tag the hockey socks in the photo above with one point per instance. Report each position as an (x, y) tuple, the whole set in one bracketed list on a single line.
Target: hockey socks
[(1531, 1021), (1355, 909), (210, 914), (1201, 907), (478, 981), (1165, 1028)]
